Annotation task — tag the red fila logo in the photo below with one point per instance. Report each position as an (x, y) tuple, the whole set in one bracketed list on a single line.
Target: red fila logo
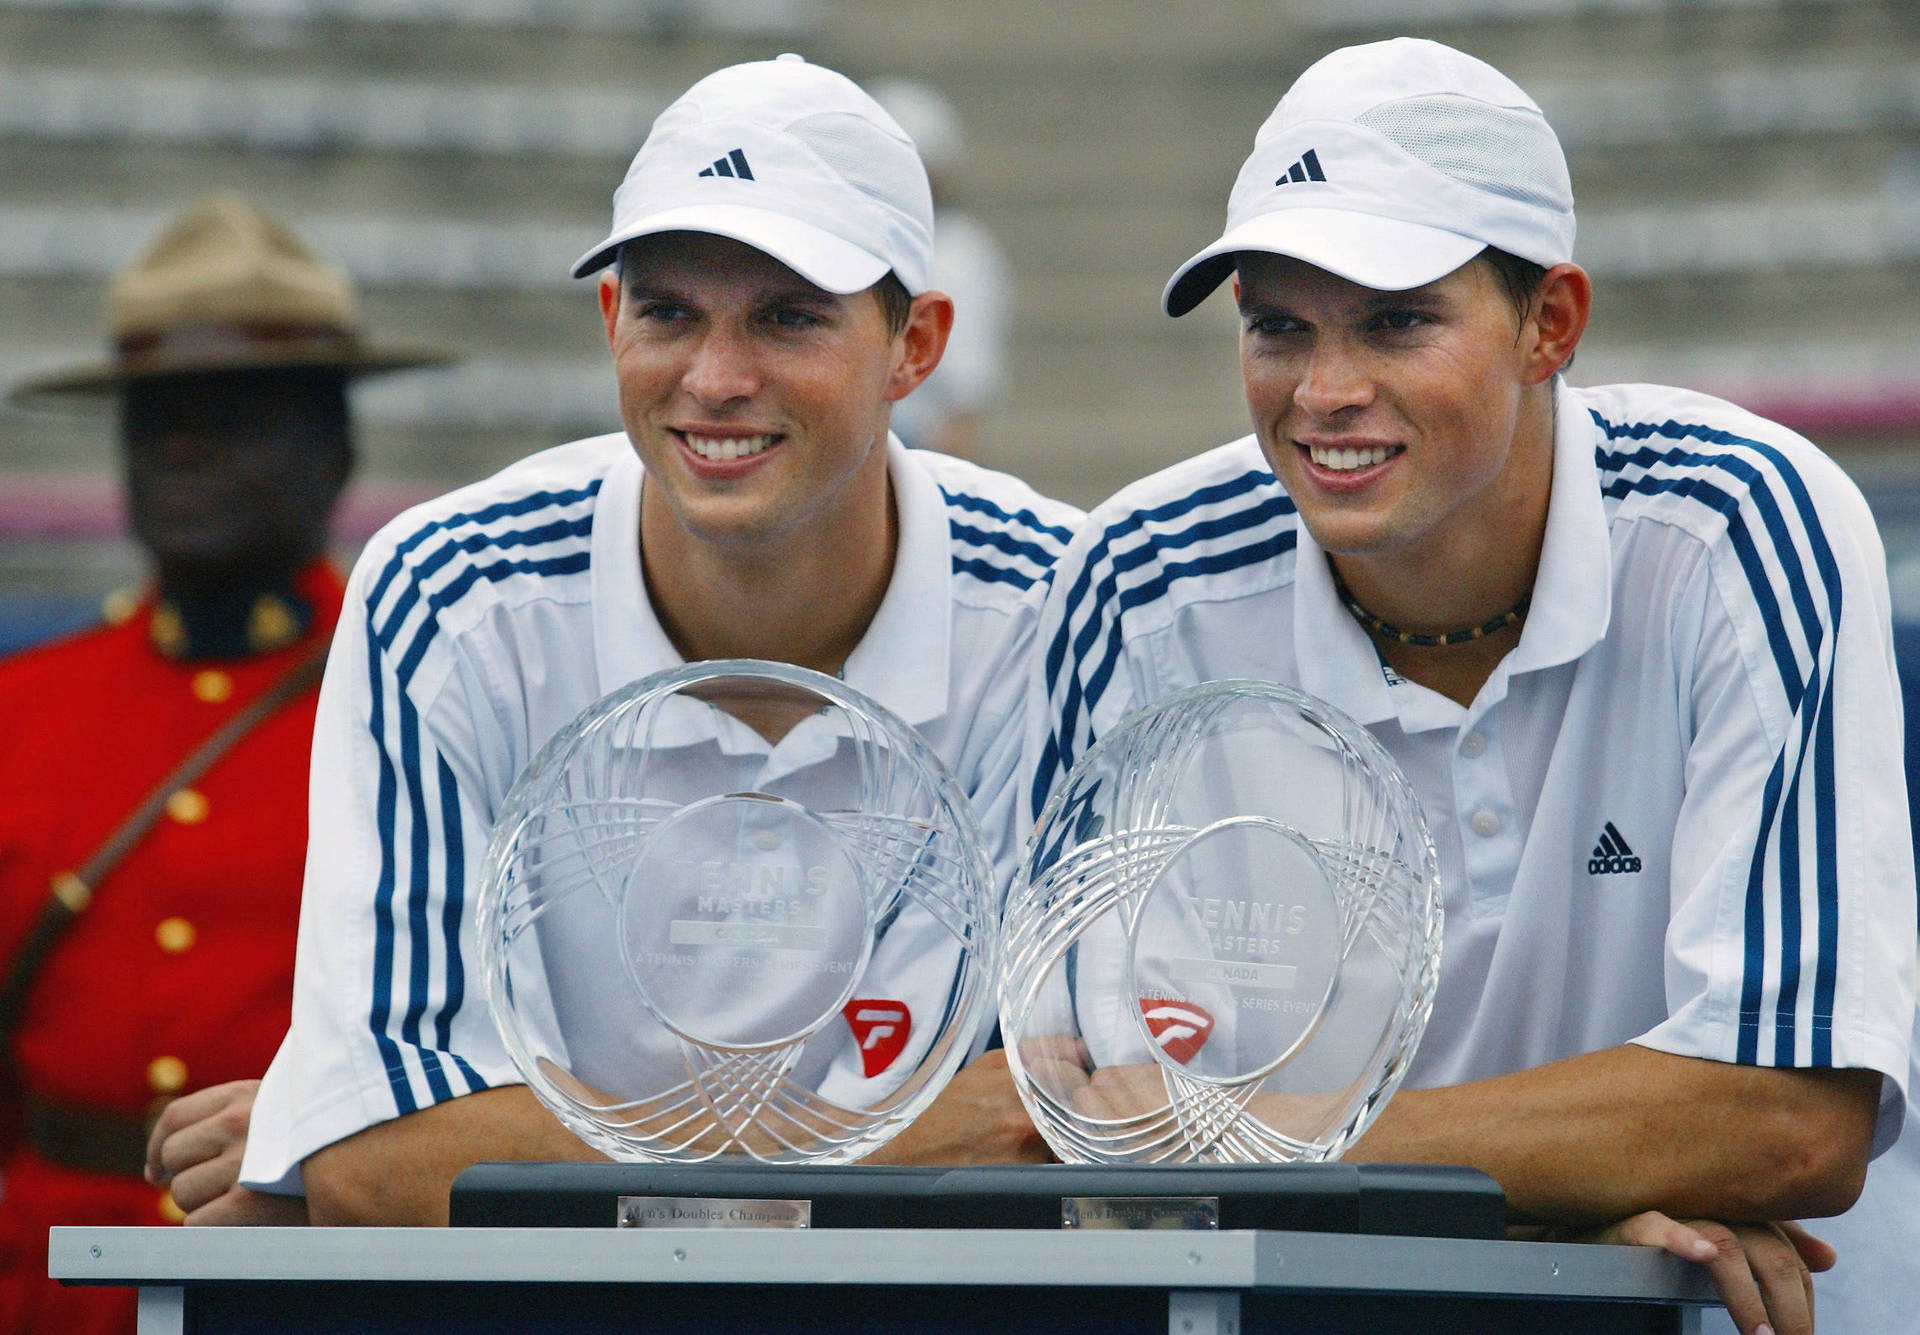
[(1179, 1027), (881, 1029)]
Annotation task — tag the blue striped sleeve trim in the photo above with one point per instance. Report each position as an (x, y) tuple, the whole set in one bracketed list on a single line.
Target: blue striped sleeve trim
[(1005, 542), (1096, 601), (524, 505), (993, 574), (1014, 547), (1731, 483), (1005, 517), (433, 811)]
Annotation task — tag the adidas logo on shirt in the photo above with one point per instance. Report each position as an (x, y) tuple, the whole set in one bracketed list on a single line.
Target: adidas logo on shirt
[(1306, 169), (1611, 856), (734, 165)]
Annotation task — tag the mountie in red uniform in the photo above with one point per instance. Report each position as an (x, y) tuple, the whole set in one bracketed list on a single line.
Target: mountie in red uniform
[(177, 973)]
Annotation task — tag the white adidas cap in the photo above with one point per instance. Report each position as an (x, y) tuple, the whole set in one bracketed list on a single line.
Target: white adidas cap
[(791, 159), (1393, 164)]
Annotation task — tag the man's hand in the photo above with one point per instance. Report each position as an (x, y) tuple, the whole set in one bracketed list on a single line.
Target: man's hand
[(1763, 1272), (977, 1118), (1122, 1093), (197, 1146)]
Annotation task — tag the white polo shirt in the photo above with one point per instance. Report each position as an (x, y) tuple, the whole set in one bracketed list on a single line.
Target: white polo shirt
[(480, 624), (1673, 816)]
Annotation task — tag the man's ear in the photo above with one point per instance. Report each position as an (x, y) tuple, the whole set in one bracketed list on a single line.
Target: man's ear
[(921, 344), (1558, 319), (610, 299)]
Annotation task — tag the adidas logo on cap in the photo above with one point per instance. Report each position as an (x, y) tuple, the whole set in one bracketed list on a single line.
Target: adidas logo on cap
[(1611, 856), (1306, 169), (734, 165)]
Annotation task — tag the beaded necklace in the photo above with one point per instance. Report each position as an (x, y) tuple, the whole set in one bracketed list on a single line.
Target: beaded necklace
[(1512, 616)]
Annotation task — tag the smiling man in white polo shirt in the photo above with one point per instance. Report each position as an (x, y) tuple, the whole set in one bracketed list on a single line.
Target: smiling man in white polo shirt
[(767, 303), (1630, 644)]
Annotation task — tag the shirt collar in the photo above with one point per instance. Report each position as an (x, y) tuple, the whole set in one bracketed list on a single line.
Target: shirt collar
[(902, 660), (1573, 589), (628, 641), (1338, 662)]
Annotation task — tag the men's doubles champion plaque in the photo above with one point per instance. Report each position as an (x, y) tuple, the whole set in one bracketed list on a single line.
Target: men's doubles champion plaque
[(737, 910), (1224, 943)]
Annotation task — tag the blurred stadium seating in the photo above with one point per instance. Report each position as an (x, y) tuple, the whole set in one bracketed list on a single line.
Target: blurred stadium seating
[(1748, 174)]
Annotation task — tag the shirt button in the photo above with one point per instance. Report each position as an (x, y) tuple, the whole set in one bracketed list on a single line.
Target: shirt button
[(175, 935), (212, 686), (1472, 745), (166, 1075), (1485, 823), (187, 806)]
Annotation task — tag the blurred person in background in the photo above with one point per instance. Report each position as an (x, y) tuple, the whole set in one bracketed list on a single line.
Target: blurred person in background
[(153, 771), (947, 412)]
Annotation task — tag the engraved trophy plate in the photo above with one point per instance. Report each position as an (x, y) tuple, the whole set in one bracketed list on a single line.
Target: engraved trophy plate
[(712, 1212), (737, 910), (1224, 942), (1186, 1214)]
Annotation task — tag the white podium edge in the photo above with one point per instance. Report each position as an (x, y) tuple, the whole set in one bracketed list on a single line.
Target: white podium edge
[(1245, 1260)]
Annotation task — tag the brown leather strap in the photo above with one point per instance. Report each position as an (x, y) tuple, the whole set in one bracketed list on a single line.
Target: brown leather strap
[(89, 1140), (70, 892)]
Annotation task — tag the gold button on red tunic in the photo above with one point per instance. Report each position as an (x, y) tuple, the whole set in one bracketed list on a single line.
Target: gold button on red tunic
[(175, 935)]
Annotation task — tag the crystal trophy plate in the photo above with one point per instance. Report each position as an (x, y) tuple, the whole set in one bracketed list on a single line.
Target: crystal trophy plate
[(737, 910), (1224, 943)]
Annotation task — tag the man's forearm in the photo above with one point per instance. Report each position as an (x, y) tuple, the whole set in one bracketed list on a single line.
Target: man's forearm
[(1609, 1134), (400, 1172)]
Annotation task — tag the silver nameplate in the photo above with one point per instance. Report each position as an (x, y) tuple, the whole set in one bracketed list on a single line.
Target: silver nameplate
[(1176, 1213), (712, 1212)]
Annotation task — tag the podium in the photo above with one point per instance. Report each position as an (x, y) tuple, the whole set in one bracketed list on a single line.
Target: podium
[(557, 1281)]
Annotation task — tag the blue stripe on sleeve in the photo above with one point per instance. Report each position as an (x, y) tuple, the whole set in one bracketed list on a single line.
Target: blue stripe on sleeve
[(993, 574), (1753, 977), (1004, 542), (383, 943), (1079, 691), (381, 638), (525, 505), (1787, 1000), (1827, 832), (453, 839), (1698, 489), (456, 589), (419, 884), (981, 506), (1809, 698)]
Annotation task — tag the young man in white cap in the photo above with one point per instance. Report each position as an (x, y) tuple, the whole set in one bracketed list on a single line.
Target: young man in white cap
[(766, 299), (1630, 644)]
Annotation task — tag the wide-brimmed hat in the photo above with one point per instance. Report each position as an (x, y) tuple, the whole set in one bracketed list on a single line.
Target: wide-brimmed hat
[(791, 159), (225, 288), (1393, 164)]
